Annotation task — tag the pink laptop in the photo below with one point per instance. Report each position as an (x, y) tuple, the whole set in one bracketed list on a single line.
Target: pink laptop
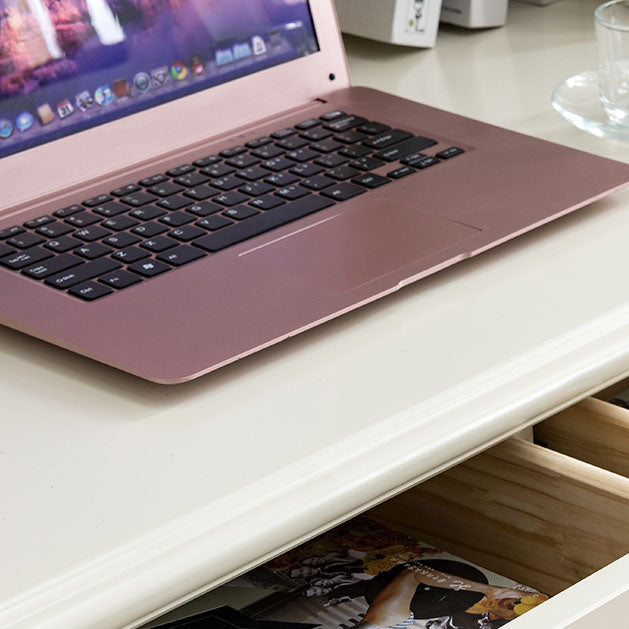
[(185, 182)]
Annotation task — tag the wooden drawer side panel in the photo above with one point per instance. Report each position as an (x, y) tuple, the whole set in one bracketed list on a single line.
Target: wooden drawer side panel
[(529, 513)]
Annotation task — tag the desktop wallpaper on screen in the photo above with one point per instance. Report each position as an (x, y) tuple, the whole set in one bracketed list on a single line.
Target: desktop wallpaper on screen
[(67, 65)]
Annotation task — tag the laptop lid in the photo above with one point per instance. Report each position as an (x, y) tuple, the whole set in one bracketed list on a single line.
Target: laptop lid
[(82, 103)]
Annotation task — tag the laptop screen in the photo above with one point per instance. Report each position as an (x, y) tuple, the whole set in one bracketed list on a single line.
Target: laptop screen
[(68, 65)]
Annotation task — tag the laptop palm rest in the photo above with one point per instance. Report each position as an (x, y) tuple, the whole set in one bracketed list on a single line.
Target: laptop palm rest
[(360, 245)]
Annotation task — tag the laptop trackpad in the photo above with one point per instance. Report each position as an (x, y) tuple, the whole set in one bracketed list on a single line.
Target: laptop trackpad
[(356, 247)]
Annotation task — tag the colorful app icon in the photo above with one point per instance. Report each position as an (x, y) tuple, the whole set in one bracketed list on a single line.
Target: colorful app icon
[(64, 109), (45, 115), (160, 76), (178, 70), (258, 45), (242, 50), (142, 82), (121, 88), (104, 95), (197, 67), (6, 128), (24, 121), (223, 56), (84, 101)]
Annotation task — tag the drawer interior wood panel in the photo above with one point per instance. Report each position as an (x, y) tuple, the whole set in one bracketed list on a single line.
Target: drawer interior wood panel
[(527, 512), (593, 431)]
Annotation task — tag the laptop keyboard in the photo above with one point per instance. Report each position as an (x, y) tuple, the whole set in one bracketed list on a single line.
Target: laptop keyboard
[(144, 229)]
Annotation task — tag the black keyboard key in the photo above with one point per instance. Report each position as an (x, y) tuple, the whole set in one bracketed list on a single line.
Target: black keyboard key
[(5, 250), (55, 230), (282, 179), (268, 152), (398, 173), (186, 233), (345, 124), (90, 291), (258, 142), (130, 255), (215, 222), (283, 133), (120, 279), (147, 213), (148, 230), (161, 243), (448, 153), (165, 189), (181, 255), (120, 241), (152, 180), (206, 161), (292, 143), (411, 158), (177, 219), (200, 193), (373, 128), (424, 162), (26, 240), (82, 273), (128, 189), (370, 180), (318, 182), (243, 161), (351, 137), (253, 173), (11, 231), (307, 124), (397, 152), (267, 202), (333, 115), (90, 234), (149, 268), (292, 192), (176, 202), (343, 191), (83, 219), (67, 211), (233, 151), (99, 200), (316, 134), (23, 258), (38, 222), (204, 209), (120, 223), (355, 151), (256, 189), (331, 161), (63, 244), (52, 265), (231, 198), (307, 170), (263, 222), (388, 138), (240, 212), (93, 250), (278, 164), (302, 155), (110, 209), (138, 199), (191, 179), (326, 146), (228, 183), (179, 170), (367, 163), (342, 173)]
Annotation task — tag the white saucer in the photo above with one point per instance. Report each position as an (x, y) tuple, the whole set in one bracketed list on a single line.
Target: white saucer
[(576, 99)]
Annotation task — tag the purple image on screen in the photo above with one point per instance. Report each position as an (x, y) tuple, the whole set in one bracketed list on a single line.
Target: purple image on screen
[(73, 64)]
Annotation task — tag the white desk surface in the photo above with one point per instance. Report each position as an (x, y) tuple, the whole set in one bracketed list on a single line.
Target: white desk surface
[(120, 497)]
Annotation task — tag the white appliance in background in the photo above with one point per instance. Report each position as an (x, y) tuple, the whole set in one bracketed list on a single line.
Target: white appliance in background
[(405, 22), (475, 13)]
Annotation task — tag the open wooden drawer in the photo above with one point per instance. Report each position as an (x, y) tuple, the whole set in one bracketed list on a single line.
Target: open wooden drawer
[(546, 515)]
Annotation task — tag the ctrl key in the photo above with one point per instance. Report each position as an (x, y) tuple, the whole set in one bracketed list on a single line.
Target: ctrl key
[(90, 291)]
